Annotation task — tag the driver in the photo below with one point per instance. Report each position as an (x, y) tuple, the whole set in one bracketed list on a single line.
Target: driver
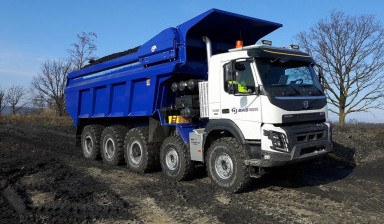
[(241, 85)]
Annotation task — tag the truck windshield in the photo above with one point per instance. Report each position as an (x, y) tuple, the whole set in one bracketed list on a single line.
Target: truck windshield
[(284, 77)]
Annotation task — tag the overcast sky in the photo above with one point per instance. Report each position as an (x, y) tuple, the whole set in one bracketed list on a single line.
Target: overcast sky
[(33, 31)]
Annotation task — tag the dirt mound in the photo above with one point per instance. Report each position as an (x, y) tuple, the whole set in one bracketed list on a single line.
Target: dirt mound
[(363, 145), (112, 56)]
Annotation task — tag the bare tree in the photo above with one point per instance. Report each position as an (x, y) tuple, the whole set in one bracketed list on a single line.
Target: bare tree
[(38, 100), (50, 83), (14, 96), (351, 51), (3, 101), (82, 51)]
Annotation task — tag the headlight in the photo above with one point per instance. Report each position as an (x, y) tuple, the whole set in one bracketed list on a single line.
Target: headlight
[(279, 141)]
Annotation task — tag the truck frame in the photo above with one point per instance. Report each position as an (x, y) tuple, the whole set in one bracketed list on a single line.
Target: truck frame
[(188, 97)]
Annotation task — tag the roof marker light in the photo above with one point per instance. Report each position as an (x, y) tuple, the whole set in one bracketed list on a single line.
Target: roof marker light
[(295, 47), (266, 42), (239, 44)]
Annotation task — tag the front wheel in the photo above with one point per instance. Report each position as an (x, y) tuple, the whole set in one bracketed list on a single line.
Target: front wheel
[(175, 159), (225, 165)]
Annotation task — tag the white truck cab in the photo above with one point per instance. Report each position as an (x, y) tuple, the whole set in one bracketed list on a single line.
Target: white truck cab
[(269, 100)]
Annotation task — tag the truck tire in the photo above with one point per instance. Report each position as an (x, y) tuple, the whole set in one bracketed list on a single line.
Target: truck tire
[(175, 159), (90, 141), (112, 145), (225, 165), (140, 155)]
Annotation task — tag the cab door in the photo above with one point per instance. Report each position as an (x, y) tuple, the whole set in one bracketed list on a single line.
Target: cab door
[(240, 100)]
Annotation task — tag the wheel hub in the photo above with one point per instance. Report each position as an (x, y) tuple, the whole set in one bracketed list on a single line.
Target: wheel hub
[(109, 148), (172, 159), (135, 152), (224, 166), (88, 144)]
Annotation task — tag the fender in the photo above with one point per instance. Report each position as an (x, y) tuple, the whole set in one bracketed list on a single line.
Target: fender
[(252, 148), (227, 125)]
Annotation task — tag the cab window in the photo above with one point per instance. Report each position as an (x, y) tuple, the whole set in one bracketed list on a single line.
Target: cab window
[(240, 74)]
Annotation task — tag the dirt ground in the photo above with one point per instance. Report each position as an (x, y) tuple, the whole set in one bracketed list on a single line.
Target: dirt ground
[(44, 179)]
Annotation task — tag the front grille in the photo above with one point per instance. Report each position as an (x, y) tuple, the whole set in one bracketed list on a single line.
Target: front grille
[(310, 136)]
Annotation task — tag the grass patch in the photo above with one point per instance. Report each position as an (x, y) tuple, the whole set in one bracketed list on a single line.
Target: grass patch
[(41, 120)]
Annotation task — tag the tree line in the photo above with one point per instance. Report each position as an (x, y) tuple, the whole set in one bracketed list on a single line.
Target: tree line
[(13, 97), (47, 87), (350, 49)]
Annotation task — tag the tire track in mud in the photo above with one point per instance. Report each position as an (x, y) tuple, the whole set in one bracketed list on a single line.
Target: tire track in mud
[(196, 201), (366, 194), (146, 192), (71, 193), (121, 183)]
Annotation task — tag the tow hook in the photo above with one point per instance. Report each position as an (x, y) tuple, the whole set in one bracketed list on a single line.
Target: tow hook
[(256, 172)]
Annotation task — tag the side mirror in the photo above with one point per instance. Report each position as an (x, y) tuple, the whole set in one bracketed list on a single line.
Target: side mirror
[(257, 90), (233, 88), (320, 75), (239, 66)]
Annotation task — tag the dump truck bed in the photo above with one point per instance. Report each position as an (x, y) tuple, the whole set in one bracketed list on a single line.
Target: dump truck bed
[(135, 84)]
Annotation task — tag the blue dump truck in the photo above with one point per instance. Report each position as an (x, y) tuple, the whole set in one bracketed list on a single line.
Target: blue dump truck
[(208, 91)]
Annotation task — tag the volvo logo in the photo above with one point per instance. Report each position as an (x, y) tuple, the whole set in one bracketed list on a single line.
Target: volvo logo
[(306, 104)]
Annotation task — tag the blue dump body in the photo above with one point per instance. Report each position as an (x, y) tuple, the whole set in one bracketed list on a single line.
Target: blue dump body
[(137, 84)]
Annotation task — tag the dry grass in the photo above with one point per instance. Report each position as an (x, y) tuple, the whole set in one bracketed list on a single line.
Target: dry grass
[(358, 124), (44, 120)]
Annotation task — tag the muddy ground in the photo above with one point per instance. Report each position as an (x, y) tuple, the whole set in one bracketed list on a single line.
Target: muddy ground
[(44, 179)]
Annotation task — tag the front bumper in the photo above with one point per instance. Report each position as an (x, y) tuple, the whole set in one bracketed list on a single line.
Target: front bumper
[(299, 153), (305, 142)]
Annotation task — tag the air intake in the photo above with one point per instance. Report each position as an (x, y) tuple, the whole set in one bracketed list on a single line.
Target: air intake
[(203, 95)]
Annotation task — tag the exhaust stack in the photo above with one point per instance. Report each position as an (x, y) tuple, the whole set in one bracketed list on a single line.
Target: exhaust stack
[(207, 42)]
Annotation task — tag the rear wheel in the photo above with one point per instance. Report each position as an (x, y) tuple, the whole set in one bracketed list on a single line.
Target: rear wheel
[(90, 141), (175, 159), (112, 147), (225, 165), (140, 155)]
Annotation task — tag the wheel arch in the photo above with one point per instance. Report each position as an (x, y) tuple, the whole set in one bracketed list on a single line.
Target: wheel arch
[(221, 128)]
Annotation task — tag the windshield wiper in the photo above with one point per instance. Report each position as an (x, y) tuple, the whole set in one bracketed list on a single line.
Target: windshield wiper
[(279, 85), (294, 88)]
